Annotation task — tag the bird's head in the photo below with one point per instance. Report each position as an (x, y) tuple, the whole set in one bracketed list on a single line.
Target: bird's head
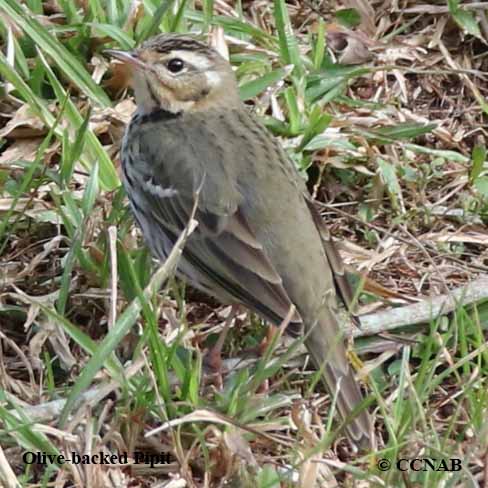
[(178, 73)]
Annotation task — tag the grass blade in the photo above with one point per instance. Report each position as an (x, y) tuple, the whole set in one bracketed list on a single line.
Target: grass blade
[(65, 60), (287, 41)]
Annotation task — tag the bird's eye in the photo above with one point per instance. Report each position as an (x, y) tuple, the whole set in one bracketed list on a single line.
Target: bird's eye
[(175, 65)]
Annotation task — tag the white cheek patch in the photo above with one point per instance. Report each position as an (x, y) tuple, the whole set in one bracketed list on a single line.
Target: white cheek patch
[(213, 78)]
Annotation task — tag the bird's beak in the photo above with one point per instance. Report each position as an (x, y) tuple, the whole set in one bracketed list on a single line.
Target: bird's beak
[(128, 57)]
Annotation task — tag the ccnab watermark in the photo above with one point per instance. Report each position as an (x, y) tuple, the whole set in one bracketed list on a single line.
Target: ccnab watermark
[(420, 464)]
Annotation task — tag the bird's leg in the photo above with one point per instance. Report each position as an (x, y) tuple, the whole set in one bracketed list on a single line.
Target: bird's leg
[(214, 355), (274, 332), (271, 331)]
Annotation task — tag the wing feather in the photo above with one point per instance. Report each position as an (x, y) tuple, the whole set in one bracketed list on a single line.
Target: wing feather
[(337, 266)]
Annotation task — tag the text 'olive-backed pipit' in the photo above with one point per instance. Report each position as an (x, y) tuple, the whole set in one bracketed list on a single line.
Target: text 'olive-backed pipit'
[(259, 240)]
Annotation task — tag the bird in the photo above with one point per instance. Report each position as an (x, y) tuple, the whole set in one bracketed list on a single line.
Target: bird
[(193, 148)]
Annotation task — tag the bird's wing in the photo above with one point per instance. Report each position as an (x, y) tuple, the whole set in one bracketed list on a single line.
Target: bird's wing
[(223, 248), (343, 286)]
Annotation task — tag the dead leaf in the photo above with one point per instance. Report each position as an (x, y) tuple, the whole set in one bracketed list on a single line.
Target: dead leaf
[(395, 53), (468, 237), (100, 67), (352, 47), (23, 150), (355, 52), (23, 125), (120, 78), (313, 473), (238, 445), (112, 119)]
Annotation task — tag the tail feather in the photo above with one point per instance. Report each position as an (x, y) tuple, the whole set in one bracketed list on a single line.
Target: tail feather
[(329, 355), (359, 428)]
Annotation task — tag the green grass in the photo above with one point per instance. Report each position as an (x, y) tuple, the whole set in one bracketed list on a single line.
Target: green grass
[(66, 236)]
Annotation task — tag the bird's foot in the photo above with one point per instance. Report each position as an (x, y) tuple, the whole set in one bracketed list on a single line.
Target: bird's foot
[(213, 362), (267, 340)]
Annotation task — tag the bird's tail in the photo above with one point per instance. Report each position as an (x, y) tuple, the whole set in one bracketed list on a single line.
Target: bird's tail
[(329, 355)]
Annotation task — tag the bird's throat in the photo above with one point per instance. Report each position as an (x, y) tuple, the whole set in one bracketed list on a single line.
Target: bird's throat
[(150, 100)]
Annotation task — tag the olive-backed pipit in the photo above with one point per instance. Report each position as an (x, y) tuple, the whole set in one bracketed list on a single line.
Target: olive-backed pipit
[(259, 240)]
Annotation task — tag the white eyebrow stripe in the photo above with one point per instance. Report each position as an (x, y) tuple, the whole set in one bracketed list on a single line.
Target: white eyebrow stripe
[(198, 60)]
